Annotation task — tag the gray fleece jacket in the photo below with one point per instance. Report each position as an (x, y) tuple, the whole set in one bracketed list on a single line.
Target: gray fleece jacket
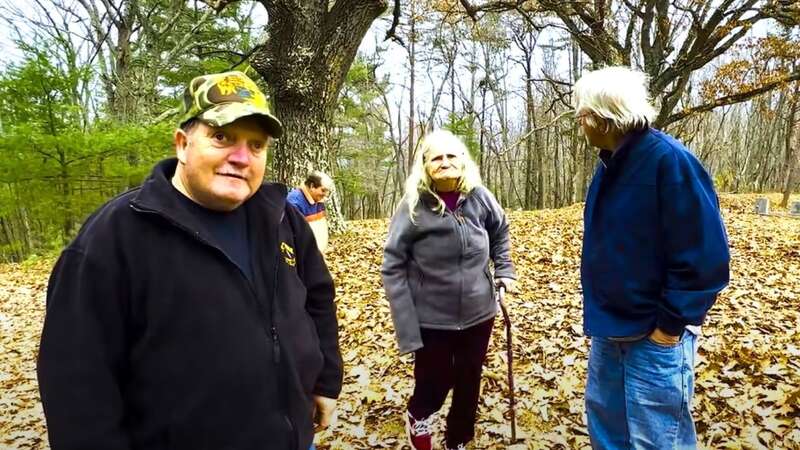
[(436, 271)]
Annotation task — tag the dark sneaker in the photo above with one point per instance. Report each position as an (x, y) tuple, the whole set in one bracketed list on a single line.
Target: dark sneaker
[(420, 432), (458, 447)]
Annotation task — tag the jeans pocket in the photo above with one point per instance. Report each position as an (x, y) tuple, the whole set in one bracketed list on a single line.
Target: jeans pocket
[(650, 340)]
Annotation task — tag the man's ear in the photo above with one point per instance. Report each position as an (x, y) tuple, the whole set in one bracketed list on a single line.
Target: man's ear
[(181, 143)]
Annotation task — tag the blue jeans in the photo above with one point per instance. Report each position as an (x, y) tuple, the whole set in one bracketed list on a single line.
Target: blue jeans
[(639, 394)]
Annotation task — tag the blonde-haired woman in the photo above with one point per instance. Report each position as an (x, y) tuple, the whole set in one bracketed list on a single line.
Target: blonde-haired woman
[(440, 288)]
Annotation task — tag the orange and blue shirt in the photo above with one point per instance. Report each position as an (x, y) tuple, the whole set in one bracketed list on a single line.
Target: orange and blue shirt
[(314, 212)]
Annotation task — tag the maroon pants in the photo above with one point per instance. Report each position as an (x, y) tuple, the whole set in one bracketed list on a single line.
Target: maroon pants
[(451, 359)]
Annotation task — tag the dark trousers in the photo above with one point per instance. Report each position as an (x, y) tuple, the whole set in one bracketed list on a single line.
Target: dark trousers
[(451, 359)]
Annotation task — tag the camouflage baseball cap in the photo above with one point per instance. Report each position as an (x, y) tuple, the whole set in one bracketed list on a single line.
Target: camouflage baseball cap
[(221, 98)]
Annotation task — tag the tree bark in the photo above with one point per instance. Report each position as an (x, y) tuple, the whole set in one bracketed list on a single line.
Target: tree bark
[(790, 158), (529, 121), (304, 63)]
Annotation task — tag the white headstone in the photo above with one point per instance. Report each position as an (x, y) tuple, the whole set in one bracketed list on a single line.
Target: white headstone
[(762, 205), (795, 208)]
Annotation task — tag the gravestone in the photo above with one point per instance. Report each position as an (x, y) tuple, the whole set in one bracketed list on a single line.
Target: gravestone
[(794, 209), (762, 206)]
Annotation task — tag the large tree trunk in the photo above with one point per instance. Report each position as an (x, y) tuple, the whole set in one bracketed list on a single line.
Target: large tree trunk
[(304, 62), (790, 155), (529, 120), (305, 144), (791, 176)]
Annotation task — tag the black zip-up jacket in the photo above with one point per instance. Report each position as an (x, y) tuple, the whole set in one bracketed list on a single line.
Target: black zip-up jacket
[(154, 339)]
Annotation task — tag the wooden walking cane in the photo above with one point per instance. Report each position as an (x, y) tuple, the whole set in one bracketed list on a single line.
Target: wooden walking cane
[(501, 293)]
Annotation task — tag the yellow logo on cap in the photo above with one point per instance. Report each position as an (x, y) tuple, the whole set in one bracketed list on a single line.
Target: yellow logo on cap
[(242, 87)]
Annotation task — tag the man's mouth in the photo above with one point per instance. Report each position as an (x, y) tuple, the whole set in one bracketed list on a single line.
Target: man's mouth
[(232, 175)]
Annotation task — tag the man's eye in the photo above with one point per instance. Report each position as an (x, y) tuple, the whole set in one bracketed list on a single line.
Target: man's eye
[(220, 136)]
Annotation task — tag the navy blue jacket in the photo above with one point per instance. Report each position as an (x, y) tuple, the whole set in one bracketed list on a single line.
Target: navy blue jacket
[(655, 252)]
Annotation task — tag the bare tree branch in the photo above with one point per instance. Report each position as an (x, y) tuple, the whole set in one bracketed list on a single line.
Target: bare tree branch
[(245, 56), (733, 98), (391, 33), (494, 7)]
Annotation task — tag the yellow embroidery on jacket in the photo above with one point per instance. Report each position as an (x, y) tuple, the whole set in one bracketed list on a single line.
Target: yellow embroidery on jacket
[(288, 254)]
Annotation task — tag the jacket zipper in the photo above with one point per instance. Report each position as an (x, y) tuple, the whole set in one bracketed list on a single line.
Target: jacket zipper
[(459, 218), (274, 329), (276, 349), (276, 337)]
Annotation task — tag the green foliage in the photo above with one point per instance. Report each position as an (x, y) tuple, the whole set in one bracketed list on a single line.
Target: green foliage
[(215, 47), (76, 121), (364, 152), (55, 169), (462, 126), (40, 94)]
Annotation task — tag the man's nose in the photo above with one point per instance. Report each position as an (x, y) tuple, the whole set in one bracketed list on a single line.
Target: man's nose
[(239, 154)]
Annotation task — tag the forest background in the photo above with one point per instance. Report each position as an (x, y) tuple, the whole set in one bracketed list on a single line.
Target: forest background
[(89, 92)]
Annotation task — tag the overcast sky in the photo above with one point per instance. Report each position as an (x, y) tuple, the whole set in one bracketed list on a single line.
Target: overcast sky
[(395, 63)]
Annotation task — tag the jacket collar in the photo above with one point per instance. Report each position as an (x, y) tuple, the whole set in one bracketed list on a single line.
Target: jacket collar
[(265, 213), (614, 160), (431, 201), (307, 194), (158, 195)]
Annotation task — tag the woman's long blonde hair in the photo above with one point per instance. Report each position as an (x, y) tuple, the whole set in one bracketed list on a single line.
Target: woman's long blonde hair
[(419, 182)]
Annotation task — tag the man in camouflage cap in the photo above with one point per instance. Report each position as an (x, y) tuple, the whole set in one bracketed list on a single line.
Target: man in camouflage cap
[(194, 312), (220, 99)]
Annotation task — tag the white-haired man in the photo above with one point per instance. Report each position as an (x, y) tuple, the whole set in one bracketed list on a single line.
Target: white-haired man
[(655, 255), (309, 199)]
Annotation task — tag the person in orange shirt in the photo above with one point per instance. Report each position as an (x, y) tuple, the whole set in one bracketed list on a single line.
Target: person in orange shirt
[(309, 199)]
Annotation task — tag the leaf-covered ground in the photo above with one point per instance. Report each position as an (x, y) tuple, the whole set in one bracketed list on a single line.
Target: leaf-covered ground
[(748, 374)]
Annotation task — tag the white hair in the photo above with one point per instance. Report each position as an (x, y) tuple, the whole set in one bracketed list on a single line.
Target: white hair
[(317, 178), (618, 94), (419, 181), (327, 182)]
